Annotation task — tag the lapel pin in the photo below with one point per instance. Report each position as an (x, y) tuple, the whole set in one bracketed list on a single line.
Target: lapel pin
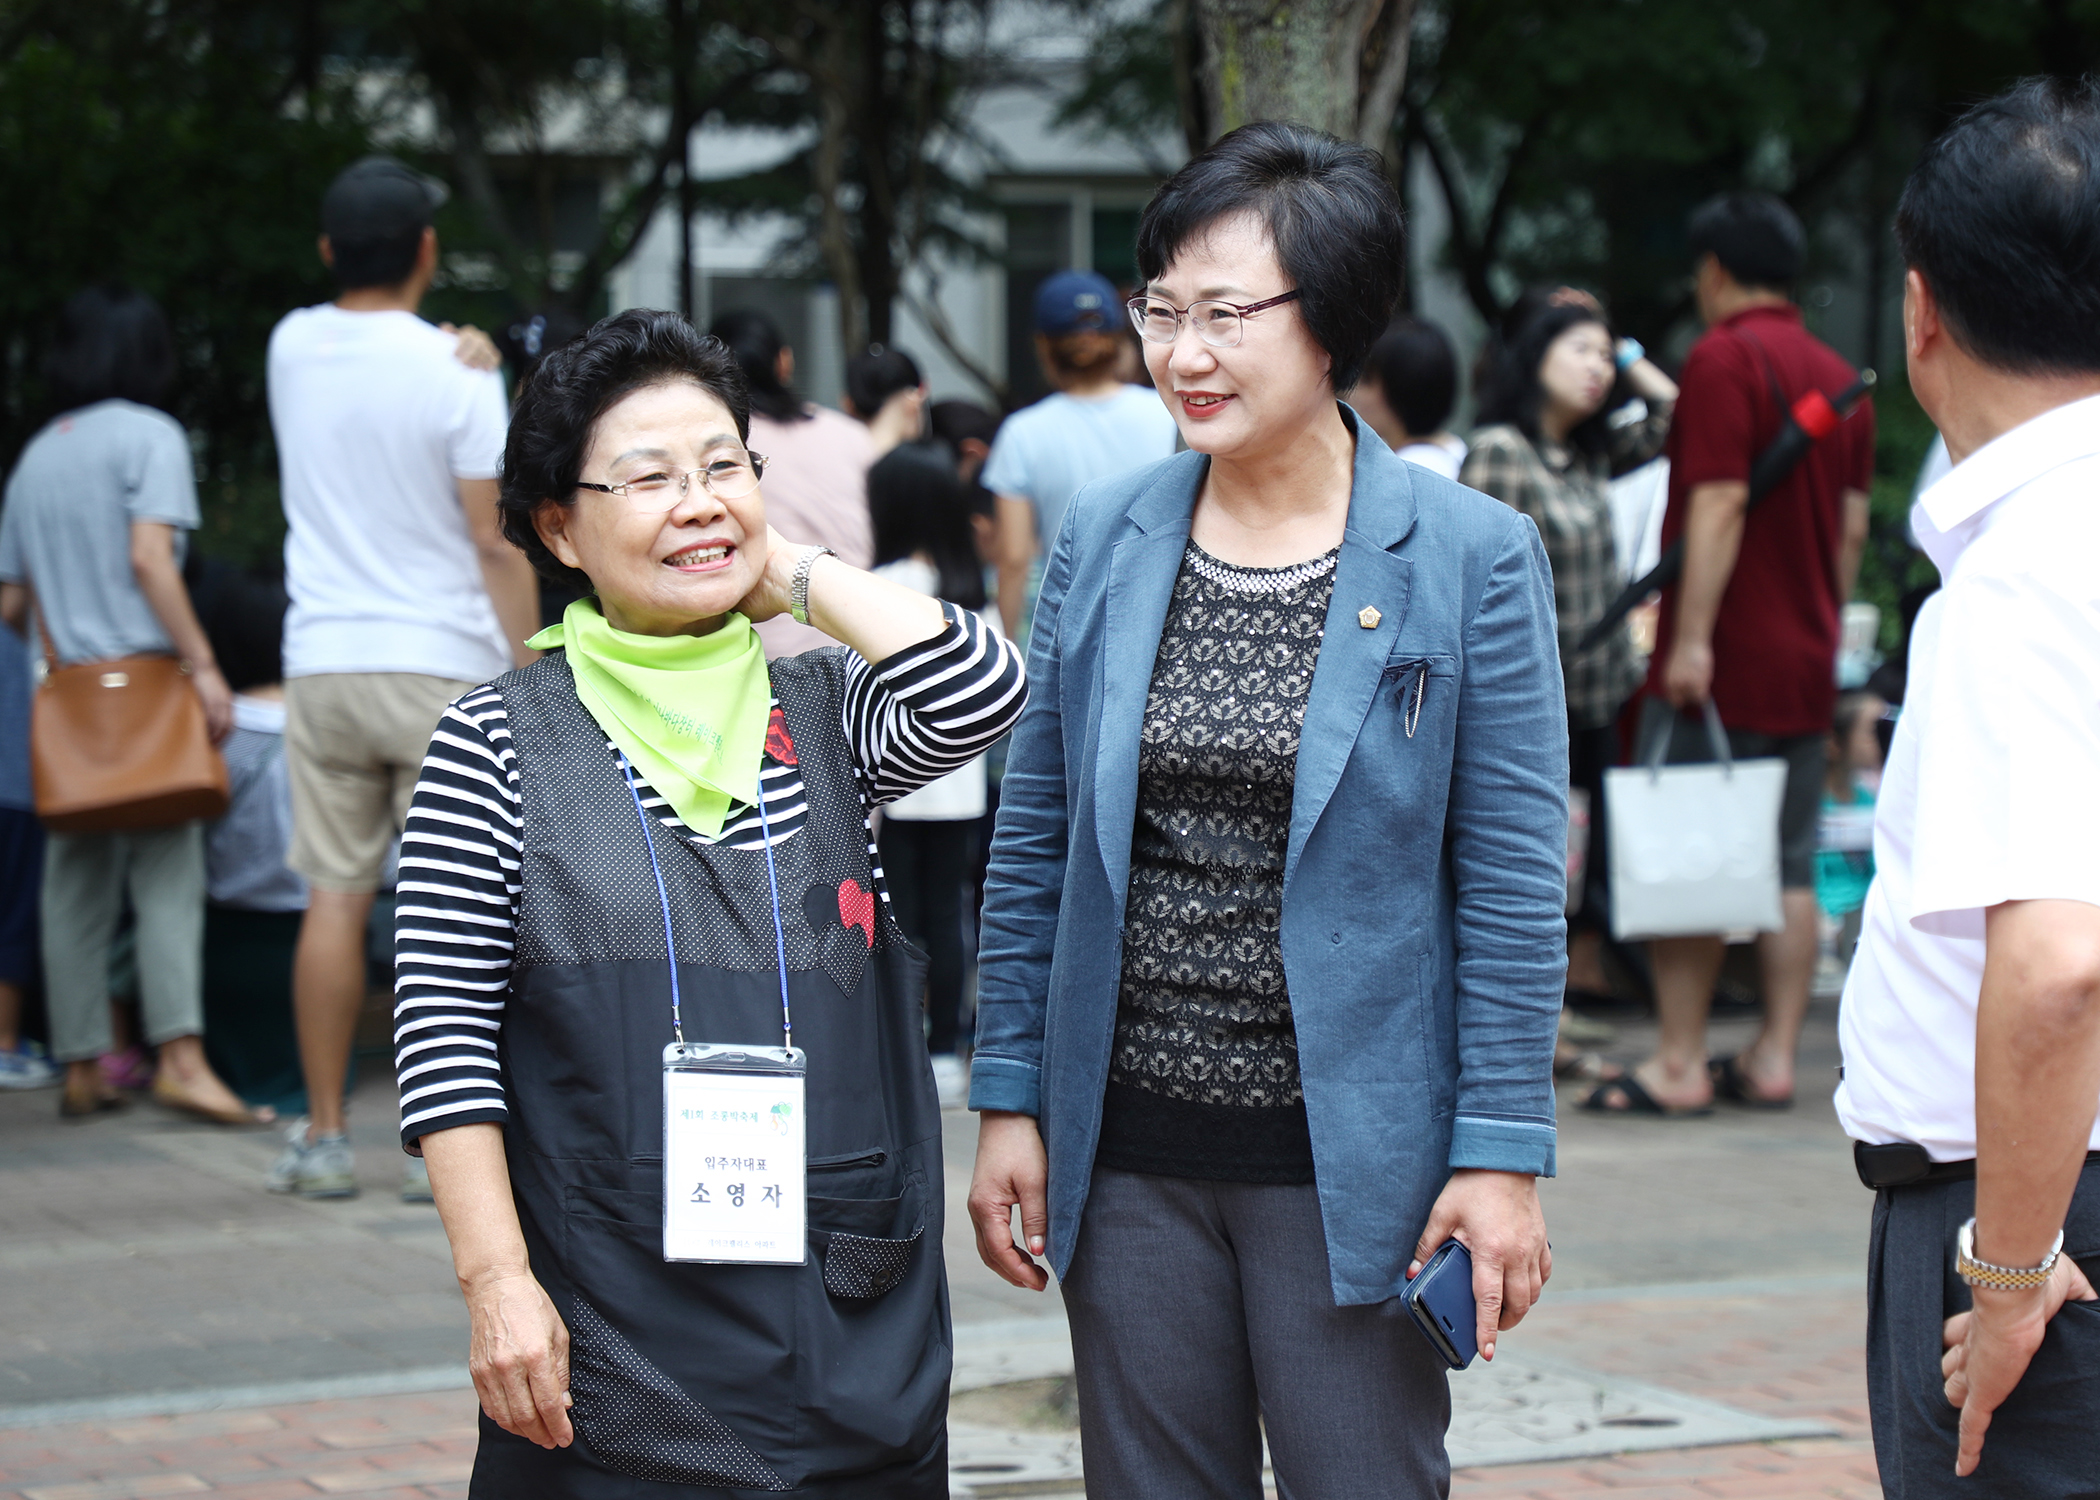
[(1368, 617)]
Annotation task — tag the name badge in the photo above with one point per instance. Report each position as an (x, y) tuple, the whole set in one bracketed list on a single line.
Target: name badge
[(734, 1155)]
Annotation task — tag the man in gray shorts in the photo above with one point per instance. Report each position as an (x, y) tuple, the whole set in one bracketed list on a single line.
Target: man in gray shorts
[(403, 595), (1752, 626)]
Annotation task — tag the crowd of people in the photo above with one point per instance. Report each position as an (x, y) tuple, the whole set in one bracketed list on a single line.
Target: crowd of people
[(1286, 858)]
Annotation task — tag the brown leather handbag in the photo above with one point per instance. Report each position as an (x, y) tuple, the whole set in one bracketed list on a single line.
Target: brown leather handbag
[(121, 744)]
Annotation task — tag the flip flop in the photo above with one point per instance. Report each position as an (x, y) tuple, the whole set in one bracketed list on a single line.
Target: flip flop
[(1638, 1101), (170, 1096), (1585, 1067), (1732, 1083)]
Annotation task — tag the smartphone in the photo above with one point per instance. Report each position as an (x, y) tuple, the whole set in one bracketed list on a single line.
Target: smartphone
[(1440, 1300)]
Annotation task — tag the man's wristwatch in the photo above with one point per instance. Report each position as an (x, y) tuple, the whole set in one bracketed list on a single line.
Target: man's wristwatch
[(798, 590), (2000, 1278)]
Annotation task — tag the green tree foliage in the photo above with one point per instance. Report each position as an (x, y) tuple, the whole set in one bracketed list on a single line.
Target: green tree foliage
[(179, 146)]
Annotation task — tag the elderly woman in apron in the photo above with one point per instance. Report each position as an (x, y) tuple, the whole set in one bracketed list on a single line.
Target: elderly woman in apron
[(658, 1036)]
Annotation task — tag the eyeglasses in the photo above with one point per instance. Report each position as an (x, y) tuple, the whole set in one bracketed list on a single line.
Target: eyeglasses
[(1219, 324), (725, 479)]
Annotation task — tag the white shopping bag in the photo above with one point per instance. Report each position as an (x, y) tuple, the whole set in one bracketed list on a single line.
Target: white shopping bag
[(1695, 848)]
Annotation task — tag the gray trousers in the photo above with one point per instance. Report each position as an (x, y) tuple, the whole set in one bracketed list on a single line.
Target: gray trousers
[(2042, 1442), (86, 877), (1202, 1316)]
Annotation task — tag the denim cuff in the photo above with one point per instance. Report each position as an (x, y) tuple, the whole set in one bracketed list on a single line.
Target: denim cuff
[(1502, 1146), (1005, 1083)]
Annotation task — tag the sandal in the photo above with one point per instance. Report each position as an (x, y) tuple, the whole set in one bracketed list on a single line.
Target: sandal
[(1732, 1083), (72, 1106), (169, 1095), (1585, 1067), (1638, 1101)]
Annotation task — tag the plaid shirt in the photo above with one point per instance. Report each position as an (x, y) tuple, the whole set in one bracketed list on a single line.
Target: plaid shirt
[(1569, 502)]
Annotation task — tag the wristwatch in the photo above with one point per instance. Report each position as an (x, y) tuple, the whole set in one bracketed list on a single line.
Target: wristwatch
[(1628, 353), (798, 590), (2000, 1278)]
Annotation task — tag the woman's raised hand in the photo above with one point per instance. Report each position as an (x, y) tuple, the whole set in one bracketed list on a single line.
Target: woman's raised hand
[(518, 1355), (770, 595)]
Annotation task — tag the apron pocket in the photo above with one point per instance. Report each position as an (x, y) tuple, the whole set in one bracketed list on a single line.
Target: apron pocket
[(681, 1373), (639, 1423), (861, 1265)]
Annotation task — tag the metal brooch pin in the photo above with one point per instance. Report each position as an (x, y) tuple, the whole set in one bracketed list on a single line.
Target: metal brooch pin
[(1368, 617)]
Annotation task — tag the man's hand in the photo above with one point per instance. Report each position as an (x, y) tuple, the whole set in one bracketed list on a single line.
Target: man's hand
[(1496, 1216), (475, 349), (217, 697), (1011, 1169), (518, 1356), (1688, 676), (1988, 1350)]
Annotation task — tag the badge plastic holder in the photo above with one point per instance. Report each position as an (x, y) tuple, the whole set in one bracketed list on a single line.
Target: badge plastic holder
[(735, 1154)]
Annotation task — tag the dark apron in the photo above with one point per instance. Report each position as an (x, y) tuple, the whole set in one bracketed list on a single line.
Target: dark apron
[(829, 1379)]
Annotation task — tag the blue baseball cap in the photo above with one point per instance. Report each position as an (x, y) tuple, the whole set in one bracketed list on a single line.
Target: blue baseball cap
[(1073, 300)]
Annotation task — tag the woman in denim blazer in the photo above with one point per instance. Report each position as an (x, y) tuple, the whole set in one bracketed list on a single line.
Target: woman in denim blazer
[(1272, 950)]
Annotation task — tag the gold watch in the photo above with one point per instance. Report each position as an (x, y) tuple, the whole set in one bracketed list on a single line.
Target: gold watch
[(2000, 1278)]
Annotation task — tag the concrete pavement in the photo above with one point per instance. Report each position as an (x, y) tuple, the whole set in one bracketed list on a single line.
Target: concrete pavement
[(1719, 1259)]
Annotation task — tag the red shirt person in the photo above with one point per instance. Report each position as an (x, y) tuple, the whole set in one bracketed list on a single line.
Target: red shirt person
[(1753, 624)]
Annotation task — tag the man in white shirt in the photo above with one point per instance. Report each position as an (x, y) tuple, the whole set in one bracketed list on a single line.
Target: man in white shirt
[(404, 594), (1971, 1020)]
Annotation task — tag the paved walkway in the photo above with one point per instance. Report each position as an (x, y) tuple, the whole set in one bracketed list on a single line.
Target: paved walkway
[(1720, 1258)]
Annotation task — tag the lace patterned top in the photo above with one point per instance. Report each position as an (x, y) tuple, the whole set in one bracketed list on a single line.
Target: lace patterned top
[(1203, 1079)]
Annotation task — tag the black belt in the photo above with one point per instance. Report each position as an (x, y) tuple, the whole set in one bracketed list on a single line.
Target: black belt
[(1903, 1164)]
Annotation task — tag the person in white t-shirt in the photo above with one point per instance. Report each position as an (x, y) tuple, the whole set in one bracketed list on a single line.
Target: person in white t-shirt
[(403, 594), (1408, 392), (1093, 425), (1971, 1017)]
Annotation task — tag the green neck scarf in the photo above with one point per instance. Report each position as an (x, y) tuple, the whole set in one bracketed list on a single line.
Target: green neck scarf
[(689, 711)]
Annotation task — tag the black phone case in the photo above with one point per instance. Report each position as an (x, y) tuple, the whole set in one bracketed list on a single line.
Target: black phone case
[(1440, 1300)]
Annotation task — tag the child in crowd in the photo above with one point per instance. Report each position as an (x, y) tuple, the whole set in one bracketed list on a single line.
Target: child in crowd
[(254, 900), (1408, 392), (923, 539), (1845, 836)]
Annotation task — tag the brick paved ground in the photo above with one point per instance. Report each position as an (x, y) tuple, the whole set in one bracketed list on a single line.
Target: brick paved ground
[(136, 1255)]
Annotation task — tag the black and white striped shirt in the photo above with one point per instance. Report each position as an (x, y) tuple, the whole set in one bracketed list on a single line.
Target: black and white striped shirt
[(908, 720)]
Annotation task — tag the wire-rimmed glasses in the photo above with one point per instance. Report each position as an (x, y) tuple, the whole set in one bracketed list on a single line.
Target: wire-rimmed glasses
[(1219, 324), (660, 489)]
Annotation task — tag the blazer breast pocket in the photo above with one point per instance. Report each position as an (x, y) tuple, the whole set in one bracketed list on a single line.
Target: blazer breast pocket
[(1414, 685)]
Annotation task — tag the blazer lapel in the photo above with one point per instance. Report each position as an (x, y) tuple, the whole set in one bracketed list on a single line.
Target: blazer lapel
[(1356, 644), (1141, 573)]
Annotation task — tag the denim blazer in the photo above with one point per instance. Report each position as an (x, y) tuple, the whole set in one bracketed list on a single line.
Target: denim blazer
[(1425, 877)]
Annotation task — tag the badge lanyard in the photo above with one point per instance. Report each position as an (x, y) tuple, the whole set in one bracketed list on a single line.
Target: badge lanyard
[(734, 1116)]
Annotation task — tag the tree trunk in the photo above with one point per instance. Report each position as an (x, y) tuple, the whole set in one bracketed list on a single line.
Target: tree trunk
[(1285, 60)]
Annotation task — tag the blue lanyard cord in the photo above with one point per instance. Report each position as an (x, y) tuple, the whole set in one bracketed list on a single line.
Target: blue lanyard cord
[(787, 1019), (670, 949), (765, 825)]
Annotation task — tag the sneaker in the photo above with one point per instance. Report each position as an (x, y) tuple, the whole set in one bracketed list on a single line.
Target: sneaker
[(27, 1069), (314, 1166), (951, 1080), (415, 1182)]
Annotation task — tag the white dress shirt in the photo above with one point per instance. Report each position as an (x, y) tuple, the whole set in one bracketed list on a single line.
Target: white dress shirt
[(1992, 790)]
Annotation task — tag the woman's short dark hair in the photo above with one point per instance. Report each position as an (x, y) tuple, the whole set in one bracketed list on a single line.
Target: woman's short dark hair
[(575, 385), (1332, 217), (2001, 217), (918, 504), (874, 377), (754, 341), (113, 345), (1513, 393), (1417, 372), (1756, 238)]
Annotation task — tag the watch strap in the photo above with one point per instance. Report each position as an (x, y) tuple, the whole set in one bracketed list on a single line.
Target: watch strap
[(1982, 1273), (798, 588)]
